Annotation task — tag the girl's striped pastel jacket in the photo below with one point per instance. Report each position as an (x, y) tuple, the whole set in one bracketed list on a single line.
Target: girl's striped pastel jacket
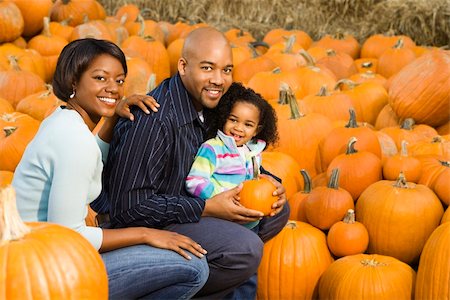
[(218, 166)]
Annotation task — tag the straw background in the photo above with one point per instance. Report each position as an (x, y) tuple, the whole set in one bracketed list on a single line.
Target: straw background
[(426, 22)]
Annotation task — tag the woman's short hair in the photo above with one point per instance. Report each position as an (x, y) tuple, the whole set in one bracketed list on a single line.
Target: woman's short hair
[(75, 59)]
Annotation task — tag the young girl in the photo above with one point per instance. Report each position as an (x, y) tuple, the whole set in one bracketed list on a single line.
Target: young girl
[(246, 124)]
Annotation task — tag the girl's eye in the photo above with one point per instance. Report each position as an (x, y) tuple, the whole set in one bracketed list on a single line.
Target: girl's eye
[(249, 125)]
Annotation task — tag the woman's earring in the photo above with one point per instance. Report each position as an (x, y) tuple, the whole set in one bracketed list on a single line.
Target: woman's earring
[(71, 96)]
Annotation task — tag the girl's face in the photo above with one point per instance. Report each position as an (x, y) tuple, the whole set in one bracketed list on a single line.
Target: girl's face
[(100, 88), (242, 123)]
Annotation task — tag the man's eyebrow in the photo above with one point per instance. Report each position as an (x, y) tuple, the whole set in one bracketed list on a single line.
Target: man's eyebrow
[(211, 63)]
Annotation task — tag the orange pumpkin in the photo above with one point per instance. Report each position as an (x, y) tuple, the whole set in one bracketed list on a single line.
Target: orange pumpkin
[(257, 193), (402, 162), (327, 205), (364, 276), (348, 237), (32, 13), (436, 175), (446, 216), (17, 131), (27, 253), (358, 169), (433, 274), (399, 216), (293, 262), (11, 22), (394, 59), (421, 90), (336, 140)]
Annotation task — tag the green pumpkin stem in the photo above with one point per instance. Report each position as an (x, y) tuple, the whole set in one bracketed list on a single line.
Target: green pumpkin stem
[(8, 130), (307, 181), (333, 183), (408, 124), (255, 168), (349, 217), (401, 181), (293, 105), (352, 120), (11, 225), (351, 146)]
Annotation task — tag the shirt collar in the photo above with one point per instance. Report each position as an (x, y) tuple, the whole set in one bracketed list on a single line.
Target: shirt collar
[(183, 107)]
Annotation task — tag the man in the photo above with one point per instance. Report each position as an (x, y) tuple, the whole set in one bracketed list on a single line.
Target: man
[(150, 158)]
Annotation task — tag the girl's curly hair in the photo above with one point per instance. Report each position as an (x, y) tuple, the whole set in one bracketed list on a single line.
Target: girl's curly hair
[(238, 93)]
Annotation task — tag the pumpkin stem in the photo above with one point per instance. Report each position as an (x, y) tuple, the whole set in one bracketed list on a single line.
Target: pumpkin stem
[(399, 44), (368, 74), (293, 105), (334, 179), (372, 263), (351, 146), (401, 181), (13, 61), (349, 217), (283, 98), (437, 139), (323, 91), (291, 224), (408, 124), (46, 30), (8, 130), (255, 168), (258, 44), (404, 149), (48, 92), (367, 64), (330, 52), (307, 181), (351, 84), (290, 43), (352, 121), (141, 31), (445, 163), (11, 225), (309, 59), (151, 83)]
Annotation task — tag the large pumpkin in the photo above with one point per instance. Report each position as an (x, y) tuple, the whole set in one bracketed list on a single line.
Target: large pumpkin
[(399, 216), (364, 276), (44, 260), (433, 275), (293, 262), (421, 90)]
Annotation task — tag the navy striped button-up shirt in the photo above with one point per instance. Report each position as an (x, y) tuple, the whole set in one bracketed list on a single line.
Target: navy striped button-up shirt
[(148, 161)]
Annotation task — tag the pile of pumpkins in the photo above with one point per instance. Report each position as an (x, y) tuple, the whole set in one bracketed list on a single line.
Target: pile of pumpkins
[(364, 149)]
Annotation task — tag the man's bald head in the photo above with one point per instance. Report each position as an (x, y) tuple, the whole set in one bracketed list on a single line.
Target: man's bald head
[(203, 37)]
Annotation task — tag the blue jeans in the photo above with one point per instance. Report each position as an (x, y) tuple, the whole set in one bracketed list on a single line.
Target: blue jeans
[(143, 271)]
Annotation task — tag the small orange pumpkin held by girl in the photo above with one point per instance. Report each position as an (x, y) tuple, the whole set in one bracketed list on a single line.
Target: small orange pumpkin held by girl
[(257, 193)]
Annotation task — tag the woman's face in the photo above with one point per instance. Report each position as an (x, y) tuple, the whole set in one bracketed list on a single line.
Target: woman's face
[(99, 88)]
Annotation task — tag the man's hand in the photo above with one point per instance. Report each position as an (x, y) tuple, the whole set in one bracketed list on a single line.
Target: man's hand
[(226, 206), (280, 192), (143, 101)]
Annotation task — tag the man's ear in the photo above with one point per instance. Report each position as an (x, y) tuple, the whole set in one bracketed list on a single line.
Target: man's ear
[(182, 66)]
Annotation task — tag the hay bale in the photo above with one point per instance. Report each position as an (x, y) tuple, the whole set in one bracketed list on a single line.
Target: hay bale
[(425, 21)]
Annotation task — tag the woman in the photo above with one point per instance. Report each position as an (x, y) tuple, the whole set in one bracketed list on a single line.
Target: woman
[(60, 174)]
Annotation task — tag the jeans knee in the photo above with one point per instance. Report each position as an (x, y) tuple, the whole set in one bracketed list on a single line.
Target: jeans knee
[(200, 269)]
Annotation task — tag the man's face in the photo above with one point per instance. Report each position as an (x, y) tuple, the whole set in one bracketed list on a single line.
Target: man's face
[(207, 73)]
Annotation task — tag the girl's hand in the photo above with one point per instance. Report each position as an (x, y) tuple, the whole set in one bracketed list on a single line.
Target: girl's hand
[(143, 101), (173, 241)]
